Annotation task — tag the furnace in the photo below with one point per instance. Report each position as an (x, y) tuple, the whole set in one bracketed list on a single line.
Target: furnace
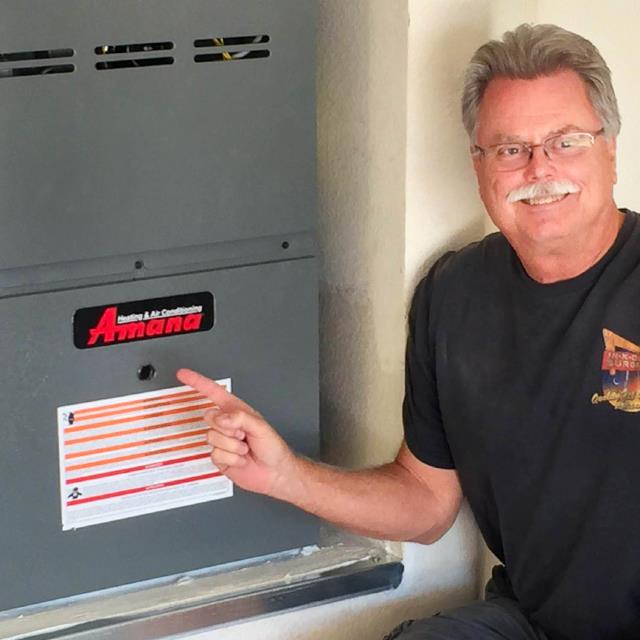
[(157, 171)]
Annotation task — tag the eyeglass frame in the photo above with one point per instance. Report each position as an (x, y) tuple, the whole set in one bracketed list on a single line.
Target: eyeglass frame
[(475, 149)]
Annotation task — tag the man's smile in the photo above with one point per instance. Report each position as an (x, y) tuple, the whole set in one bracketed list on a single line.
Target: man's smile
[(542, 200)]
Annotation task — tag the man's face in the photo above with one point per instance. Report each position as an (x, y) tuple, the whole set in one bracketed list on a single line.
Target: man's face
[(530, 111)]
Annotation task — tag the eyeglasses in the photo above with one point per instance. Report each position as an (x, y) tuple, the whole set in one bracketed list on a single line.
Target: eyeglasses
[(509, 156)]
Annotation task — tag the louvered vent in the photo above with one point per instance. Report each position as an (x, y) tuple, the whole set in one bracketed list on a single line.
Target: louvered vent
[(34, 63), (232, 48), (119, 56)]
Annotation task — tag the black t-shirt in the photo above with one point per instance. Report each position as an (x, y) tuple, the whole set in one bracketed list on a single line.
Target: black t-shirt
[(532, 393)]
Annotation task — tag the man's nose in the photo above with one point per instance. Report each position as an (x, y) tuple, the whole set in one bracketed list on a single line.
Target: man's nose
[(539, 166)]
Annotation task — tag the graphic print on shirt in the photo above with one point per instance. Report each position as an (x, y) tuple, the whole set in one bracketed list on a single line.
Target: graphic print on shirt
[(620, 373)]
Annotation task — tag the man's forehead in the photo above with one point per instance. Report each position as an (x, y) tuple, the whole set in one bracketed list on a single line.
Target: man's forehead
[(516, 109)]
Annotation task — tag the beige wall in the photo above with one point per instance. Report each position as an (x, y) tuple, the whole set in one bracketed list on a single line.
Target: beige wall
[(396, 189)]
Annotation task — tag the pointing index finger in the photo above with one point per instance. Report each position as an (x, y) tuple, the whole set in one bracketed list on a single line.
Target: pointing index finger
[(225, 400)]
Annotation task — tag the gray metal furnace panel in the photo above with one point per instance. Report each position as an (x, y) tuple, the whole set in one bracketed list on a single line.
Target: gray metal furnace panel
[(264, 339), (147, 157)]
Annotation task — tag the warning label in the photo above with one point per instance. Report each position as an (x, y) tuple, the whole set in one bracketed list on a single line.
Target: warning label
[(136, 454)]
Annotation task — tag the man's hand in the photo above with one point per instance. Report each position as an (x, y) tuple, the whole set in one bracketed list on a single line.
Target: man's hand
[(245, 447), (403, 500)]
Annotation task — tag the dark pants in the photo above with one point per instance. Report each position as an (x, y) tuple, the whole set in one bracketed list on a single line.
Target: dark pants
[(498, 617)]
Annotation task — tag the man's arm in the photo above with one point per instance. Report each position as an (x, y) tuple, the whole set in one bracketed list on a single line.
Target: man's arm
[(403, 500)]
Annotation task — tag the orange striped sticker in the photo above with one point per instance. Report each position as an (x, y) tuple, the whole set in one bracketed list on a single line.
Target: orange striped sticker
[(137, 418), (135, 456), (126, 432), (82, 414), (149, 450), (136, 443), (136, 407)]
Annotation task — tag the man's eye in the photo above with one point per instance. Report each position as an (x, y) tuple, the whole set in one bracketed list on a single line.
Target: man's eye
[(566, 143), (509, 150), (572, 142)]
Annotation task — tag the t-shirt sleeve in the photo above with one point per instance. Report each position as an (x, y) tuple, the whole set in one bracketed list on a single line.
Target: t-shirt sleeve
[(423, 429)]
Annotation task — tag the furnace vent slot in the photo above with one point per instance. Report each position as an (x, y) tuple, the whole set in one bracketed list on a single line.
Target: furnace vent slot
[(109, 49), (136, 47), (223, 54), (232, 55), (43, 54), (135, 62), (230, 42), (35, 70)]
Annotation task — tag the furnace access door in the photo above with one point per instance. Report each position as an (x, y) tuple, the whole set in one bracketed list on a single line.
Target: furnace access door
[(158, 209)]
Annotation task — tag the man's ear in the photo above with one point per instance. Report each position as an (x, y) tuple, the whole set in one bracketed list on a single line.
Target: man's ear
[(612, 147), (475, 158)]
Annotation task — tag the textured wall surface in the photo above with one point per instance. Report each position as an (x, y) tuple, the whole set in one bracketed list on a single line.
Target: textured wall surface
[(443, 210)]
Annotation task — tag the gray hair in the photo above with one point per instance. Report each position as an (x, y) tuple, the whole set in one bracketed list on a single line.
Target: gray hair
[(531, 51)]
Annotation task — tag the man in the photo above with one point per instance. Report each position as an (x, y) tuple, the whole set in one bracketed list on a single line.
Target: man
[(521, 370)]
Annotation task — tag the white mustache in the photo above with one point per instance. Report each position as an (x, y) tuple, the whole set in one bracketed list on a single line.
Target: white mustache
[(552, 189)]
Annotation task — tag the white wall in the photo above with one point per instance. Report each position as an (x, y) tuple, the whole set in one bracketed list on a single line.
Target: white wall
[(443, 210), (396, 189)]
